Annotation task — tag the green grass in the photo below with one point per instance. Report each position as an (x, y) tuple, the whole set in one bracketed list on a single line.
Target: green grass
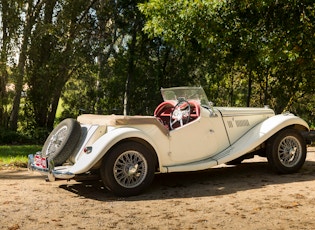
[(16, 155)]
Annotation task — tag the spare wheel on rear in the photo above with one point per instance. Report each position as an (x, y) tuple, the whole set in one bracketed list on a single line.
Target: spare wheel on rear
[(62, 141)]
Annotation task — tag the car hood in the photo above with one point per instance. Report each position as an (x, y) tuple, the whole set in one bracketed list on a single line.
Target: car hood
[(240, 111)]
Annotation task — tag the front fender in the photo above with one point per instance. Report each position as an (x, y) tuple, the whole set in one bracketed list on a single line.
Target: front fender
[(281, 121), (258, 135), (103, 144)]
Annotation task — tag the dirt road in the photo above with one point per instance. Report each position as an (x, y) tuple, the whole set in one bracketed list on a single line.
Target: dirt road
[(248, 196)]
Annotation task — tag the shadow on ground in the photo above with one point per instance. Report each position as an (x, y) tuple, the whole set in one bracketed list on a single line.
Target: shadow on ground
[(212, 182)]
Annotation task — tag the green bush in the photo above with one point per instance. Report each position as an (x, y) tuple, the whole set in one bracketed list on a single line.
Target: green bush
[(36, 136), (10, 137)]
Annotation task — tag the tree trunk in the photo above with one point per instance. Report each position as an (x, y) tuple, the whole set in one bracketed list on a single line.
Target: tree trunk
[(249, 89), (20, 73), (3, 64), (231, 93), (32, 13), (266, 90), (52, 112), (48, 82), (130, 71)]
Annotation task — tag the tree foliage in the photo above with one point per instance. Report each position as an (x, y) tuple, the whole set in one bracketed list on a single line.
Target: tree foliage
[(259, 52), (106, 56)]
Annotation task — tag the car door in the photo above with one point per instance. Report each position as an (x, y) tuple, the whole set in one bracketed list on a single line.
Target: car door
[(198, 140)]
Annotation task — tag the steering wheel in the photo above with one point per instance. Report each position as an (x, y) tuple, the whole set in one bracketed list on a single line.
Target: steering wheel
[(180, 113)]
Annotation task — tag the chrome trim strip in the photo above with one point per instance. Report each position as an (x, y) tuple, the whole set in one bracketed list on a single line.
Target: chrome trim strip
[(249, 113)]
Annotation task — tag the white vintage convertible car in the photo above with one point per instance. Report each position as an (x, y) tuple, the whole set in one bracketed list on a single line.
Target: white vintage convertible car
[(186, 133)]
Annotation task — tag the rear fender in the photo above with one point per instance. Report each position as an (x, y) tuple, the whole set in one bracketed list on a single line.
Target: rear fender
[(259, 134), (101, 146)]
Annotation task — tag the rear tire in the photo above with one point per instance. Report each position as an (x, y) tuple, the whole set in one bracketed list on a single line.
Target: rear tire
[(128, 169), (286, 151)]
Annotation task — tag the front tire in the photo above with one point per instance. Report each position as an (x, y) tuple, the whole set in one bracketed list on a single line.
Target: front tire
[(286, 151), (128, 169)]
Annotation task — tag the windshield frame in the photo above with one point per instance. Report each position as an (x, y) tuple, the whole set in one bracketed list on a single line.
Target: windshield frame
[(187, 93)]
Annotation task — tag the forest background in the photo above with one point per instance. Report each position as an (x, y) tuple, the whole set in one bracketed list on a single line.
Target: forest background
[(113, 56)]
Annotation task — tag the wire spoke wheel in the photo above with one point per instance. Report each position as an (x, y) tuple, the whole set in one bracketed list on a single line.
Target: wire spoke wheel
[(62, 141), (130, 169), (286, 151), (290, 151), (56, 141)]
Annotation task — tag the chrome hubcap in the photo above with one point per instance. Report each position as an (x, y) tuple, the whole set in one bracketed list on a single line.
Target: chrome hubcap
[(132, 170)]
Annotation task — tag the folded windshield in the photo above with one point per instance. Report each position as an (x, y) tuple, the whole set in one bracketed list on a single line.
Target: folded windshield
[(187, 93)]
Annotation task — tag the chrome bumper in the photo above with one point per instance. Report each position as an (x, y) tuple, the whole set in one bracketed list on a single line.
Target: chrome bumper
[(52, 172)]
